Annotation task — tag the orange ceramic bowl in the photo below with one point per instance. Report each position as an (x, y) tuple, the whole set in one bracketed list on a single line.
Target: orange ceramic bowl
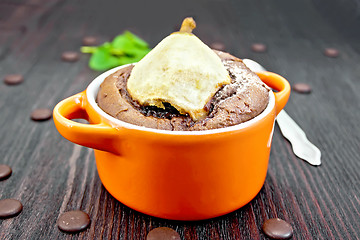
[(180, 175)]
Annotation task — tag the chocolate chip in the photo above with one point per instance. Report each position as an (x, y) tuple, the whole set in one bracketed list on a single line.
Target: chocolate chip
[(13, 79), (41, 114), (163, 233), (218, 46), (10, 208), (70, 56), (301, 88), (73, 221), (89, 41), (5, 171), (277, 228), (331, 52), (258, 47)]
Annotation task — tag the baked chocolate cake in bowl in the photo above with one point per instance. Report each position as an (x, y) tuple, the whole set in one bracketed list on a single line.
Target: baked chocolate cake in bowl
[(165, 156)]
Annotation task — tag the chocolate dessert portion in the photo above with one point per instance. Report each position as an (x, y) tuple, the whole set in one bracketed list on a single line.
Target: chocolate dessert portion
[(241, 100)]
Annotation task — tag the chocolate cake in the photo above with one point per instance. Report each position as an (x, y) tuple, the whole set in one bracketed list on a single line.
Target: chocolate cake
[(241, 100)]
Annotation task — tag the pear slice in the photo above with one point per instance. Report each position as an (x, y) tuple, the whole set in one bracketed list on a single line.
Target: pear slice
[(180, 70)]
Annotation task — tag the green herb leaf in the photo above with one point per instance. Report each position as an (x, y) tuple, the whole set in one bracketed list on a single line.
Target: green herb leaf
[(125, 48), (87, 49), (131, 59), (102, 59), (129, 43), (136, 40)]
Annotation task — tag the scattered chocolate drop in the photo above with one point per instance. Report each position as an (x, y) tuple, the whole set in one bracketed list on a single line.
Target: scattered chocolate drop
[(258, 47), (163, 233), (277, 228), (73, 221), (89, 41), (218, 46), (10, 208), (301, 88), (70, 56), (41, 114), (331, 52), (5, 171), (13, 79)]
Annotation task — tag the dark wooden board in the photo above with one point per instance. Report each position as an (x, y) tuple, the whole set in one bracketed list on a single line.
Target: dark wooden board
[(52, 175)]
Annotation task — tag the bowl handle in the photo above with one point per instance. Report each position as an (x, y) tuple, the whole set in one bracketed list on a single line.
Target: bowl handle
[(95, 135), (278, 83)]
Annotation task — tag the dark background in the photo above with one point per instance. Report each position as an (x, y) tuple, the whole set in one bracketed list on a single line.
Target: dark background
[(51, 175)]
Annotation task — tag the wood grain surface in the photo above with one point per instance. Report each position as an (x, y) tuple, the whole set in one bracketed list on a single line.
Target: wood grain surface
[(52, 175)]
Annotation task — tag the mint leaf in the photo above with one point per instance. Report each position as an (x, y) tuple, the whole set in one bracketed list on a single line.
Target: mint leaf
[(121, 42), (136, 40), (125, 48), (88, 49), (102, 59), (131, 59), (129, 43)]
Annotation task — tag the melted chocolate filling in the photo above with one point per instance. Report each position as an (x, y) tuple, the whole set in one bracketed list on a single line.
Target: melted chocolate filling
[(169, 112)]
